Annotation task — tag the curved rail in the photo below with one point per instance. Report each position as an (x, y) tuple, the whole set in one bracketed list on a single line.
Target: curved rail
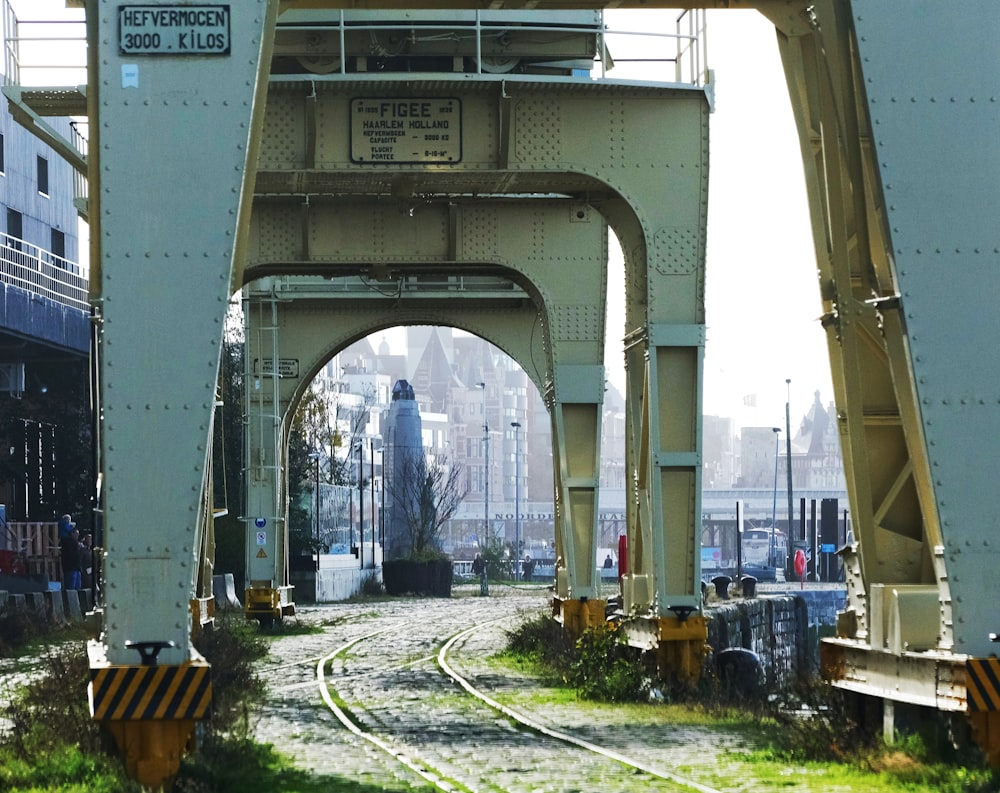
[(418, 767), (439, 779), (537, 726)]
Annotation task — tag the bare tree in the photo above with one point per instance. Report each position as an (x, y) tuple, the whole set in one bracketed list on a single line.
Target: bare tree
[(427, 495), (326, 424)]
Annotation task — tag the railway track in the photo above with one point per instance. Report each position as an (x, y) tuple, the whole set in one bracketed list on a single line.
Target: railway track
[(419, 709)]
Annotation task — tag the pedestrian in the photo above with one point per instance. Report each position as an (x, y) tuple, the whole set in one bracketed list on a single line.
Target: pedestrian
[(608, 562), (479, 569), (66, 525), (87, 561), (527, 568), (69, 553)]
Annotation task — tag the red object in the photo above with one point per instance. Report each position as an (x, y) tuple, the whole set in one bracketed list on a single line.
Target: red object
[(622, 557), (7, 562), (800, 564)]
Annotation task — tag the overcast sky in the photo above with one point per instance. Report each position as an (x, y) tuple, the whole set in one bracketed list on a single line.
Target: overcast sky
[(762, 294), (761, 290)]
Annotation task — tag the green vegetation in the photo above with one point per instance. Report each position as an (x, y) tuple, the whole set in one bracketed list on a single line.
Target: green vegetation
[(49, 742), (810, 739)]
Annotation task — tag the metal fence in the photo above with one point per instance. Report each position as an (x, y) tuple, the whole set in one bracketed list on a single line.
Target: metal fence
[(43, 273), (53, 52)]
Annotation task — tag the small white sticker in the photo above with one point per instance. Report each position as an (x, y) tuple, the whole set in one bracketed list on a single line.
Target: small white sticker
[(262, 538), (130, 75)]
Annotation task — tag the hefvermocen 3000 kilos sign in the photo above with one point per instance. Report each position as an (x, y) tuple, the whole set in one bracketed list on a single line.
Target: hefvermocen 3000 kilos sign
[(173, 30)]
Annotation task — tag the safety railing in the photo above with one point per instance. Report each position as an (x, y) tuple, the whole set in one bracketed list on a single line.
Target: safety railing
[(30, 549), (49, 52), (53, 52), (648, 54), (43, 273), (44, 51)]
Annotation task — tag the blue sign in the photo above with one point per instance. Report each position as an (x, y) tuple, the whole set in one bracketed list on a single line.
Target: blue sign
[(260, 523), (828, 547)]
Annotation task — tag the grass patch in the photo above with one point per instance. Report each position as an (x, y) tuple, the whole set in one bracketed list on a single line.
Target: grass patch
[(283, 628), (52, 744), (809, 738), (242, 766)]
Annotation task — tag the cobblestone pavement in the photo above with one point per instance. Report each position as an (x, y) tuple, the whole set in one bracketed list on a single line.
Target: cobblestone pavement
[(392, 686)]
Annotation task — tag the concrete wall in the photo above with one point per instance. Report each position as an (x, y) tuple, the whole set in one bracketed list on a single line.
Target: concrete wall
[(331, 584), (340, 576), (58, 605)]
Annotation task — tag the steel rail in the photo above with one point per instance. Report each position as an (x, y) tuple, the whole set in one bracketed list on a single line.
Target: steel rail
[(418, 767), (537, 726), (423, 769)]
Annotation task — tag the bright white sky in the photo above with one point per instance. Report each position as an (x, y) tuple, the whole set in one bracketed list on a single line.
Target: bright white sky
[(761, 291), (763, 300)]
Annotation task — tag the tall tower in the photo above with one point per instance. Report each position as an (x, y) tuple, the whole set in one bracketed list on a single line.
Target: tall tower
[(403, 443)]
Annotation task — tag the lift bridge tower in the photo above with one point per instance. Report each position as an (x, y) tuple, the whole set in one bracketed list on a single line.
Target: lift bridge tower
[(252, 143)]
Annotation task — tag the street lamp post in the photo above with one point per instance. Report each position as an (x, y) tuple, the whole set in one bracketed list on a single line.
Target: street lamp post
[(517, 500), (774, 502), (788, 455), (315, 458), (361, 503), (486, 468)]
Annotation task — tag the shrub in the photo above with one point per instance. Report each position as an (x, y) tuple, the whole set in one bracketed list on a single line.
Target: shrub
[(543, 641), (231, 648), (52, 741), (606, 668), (599, 665), (371, 586)]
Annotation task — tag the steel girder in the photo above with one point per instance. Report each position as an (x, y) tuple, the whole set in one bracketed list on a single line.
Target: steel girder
[(899, 140), (541, 304), (532, 138), (165, 220)]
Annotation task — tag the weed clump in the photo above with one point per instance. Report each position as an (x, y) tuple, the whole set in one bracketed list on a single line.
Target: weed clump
[(232, 648), (48, 739), (543, 643), (811, 723), (371, 586), (606, 669), (599, 665)]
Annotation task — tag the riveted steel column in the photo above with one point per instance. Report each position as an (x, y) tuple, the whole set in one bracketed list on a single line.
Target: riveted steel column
[(268, 594), (173, 167), (907, 277)]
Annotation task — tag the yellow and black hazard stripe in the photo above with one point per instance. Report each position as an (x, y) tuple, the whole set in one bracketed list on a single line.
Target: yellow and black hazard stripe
[(127, 693), (982, 684)]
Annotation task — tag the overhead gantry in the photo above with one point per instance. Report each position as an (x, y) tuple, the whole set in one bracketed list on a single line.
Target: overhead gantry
[(460, 219), (201, 160), (209, 172), (529, 276)]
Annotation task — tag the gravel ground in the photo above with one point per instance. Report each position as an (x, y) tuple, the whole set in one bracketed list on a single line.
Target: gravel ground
[(393, 687)]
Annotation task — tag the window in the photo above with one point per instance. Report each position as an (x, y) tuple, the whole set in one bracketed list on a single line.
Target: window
[(58, 245), (43, 175), (1, 152), (15, 228)]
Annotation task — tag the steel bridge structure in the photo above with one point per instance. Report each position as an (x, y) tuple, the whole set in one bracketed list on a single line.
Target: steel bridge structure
[(272, 147)]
